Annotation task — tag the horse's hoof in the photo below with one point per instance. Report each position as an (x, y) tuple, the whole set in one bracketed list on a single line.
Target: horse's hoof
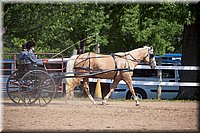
[(137, 104), (103, 103)]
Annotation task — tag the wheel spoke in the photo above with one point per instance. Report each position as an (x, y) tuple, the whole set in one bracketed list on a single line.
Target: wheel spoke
[(40, 87), (12, 87)]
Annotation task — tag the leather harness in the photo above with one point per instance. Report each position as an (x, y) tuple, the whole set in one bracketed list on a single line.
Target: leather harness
[(114, 58)]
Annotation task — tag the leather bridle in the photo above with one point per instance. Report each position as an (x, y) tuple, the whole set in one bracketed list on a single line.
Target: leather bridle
[(150, 55)]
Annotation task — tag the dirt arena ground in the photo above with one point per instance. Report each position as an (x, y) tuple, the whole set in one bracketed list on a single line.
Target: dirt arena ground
[(82, 115)]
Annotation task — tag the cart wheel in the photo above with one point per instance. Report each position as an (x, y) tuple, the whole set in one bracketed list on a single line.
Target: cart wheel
[(37, 87), (13, 86)]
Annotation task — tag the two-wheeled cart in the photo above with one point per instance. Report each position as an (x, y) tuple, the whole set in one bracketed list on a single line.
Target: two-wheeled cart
[(30, 87)]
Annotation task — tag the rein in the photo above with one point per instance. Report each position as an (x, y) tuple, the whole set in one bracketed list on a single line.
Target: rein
[(113, 56), (72, 46)]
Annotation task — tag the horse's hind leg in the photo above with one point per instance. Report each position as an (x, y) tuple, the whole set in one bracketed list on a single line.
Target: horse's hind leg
[(115, 82), (86, 87)]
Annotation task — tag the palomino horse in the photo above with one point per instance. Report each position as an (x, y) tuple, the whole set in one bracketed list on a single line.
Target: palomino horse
[(71, 83), (118, 66)]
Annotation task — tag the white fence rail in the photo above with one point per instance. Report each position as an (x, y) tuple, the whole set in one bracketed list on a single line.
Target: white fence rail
[(150, 83), (169, 67), (158, 83), (166, 83)]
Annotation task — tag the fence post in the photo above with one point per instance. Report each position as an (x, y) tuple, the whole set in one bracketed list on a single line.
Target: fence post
[(97, 47), (74, 51), (15, 64), (159, 72)]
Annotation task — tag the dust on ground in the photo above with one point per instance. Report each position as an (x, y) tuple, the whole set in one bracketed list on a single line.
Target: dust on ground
[(82, 115)]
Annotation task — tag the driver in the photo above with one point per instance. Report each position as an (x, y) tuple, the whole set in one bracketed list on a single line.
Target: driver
[(30, 59)]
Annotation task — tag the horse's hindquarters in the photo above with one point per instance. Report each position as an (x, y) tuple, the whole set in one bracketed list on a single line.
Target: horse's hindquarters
[(97, 65)]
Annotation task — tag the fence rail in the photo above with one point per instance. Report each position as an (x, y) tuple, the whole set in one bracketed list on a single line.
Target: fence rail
[(153, 83), (169, 67)]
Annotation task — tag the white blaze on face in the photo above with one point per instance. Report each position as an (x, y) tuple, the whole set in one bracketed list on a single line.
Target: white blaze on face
[(151, 51)]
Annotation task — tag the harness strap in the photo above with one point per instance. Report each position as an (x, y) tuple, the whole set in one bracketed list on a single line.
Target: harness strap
[(83, 68), (88, 58), (127, 60), (146, 56), (113, 56), (134, 59), (125, 56)]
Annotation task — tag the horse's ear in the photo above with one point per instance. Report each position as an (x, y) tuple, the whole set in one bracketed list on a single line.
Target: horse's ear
[(151, 47)]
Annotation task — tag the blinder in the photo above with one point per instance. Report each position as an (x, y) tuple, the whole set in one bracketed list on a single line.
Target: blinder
[(150, 55), (150, 58)]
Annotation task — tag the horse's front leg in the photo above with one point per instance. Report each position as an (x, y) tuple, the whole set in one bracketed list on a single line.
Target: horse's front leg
[(87, 90), (115, 82), (128, 82)]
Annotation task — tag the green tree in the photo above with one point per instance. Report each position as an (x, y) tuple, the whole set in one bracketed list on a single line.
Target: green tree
[(116, 27), (135, 25), (53, 26)]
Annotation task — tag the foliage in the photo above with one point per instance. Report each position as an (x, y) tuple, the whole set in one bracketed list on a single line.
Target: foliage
[(116, 27)]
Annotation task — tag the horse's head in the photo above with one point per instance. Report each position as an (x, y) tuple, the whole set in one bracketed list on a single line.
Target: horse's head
[(149, 57)]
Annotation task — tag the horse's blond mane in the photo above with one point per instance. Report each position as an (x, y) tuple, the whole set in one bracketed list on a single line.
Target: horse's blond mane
[(138, 49), (146, 46)]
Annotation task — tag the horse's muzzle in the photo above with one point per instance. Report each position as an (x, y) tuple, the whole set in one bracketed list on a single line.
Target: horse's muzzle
[(153, 65)]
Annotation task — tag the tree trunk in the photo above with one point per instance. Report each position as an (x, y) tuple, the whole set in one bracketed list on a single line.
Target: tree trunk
[(82, 45), (190, 57)]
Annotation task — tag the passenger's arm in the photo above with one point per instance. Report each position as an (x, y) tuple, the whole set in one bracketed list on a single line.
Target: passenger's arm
[(32, 58)]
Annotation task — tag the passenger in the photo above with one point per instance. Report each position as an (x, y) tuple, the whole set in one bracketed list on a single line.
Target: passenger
[(30, 59), (23, 53), (22, 69)]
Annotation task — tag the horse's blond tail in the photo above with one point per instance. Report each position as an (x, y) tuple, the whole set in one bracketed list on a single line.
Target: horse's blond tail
[(71, 83)]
